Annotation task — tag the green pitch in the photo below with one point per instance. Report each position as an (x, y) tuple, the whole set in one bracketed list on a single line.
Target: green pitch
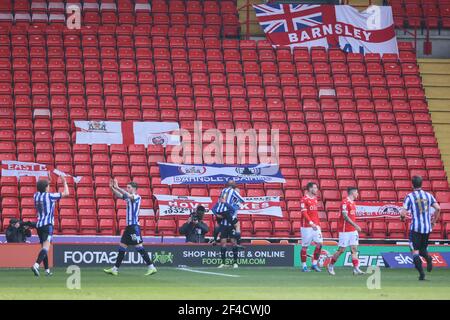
[(211, 283)]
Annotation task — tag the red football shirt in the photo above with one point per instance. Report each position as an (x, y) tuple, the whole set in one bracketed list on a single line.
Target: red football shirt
[(349, 206), (309, 211)]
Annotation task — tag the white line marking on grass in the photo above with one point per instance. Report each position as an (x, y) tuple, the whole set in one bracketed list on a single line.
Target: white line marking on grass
[(212, 273)]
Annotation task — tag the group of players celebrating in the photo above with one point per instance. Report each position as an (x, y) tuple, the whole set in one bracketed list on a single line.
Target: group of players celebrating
[(418, 203)]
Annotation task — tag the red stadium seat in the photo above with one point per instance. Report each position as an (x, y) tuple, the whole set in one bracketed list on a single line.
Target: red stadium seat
[(69, 226), (378, 229), (262, 228), (282, 228), (246, 228), (166, 227), (88, 226)]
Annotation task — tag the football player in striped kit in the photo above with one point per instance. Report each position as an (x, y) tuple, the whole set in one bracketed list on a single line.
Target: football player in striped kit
[(419, 203), (228, 203), (225, 230), (132, 233), (45, 202), (228, 225)]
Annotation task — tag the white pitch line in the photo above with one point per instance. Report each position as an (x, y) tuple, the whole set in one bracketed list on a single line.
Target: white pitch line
[(213, 273)]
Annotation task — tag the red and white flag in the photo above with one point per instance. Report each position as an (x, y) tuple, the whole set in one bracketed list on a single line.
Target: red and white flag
[(377, 210), (127, 132), (183, 205), (180, 205), (19, 169), (267, 206), (304, 25)]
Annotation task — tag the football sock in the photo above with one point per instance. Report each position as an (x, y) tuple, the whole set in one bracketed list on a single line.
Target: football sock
[(316, 254), (418, 263), (216, 233), (235, 254), (303, 254), (355, 262), (424, 253), (333, 260), (223, 253), (41, 256), (144, 255), (120, 257), (45, 262)]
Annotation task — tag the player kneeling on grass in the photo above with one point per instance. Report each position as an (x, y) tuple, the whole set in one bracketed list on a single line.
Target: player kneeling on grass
[(132, 233), (310, 227), (348, 231), (44, 202), (226, 230)]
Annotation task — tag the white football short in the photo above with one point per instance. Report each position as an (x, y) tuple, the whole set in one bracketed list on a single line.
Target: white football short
[(347, 239), (310, 235)]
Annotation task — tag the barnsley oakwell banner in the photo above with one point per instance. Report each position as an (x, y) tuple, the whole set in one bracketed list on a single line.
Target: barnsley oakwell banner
[(172, 173), (20, 169), (304, 25), (127, 132)]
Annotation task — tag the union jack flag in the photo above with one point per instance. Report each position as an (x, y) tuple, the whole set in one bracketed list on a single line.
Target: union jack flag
[(329, 26), (288, 17)]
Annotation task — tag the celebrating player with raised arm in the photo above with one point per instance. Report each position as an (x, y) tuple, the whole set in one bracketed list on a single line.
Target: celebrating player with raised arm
[(132, 233), (348, 231), (310, 227), (224, 211), (44, 202), (231, 196), (419, 203)]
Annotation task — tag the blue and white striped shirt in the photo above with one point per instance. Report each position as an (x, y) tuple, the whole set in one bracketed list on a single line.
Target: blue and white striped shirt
[(45, 207), (133, 207), (232, 200), (419, 203), (231, 197), (220, 208)]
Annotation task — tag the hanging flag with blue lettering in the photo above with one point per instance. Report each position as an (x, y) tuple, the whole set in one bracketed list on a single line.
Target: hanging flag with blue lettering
[(172, 173)]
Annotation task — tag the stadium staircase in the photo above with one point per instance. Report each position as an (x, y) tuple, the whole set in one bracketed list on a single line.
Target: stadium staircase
[(247, 18), (436, 81)]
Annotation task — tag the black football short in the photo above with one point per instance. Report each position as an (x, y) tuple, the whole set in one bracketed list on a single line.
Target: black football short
[(226, 232), (132, 235), (418, 241), (45, 233)]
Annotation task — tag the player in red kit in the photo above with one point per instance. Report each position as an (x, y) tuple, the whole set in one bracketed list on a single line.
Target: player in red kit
[(310, 227), (348, 231)]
